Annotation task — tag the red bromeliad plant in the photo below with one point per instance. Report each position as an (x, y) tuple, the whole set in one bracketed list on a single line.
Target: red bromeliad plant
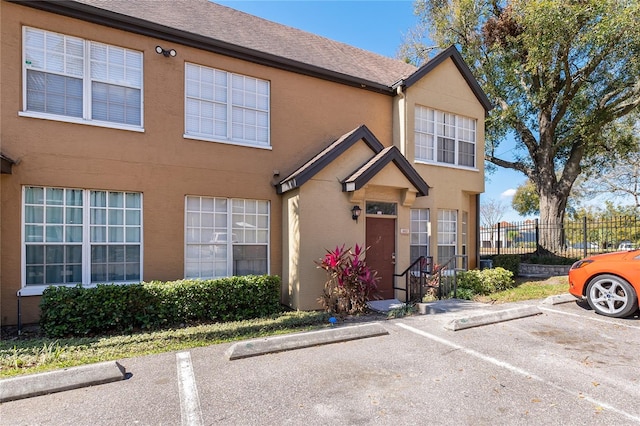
[(350, 284)]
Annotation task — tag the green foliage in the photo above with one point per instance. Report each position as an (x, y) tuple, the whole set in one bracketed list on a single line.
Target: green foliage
[(526, 200), (31, 355), (109, 308), (475, 282), (510, 262), (350, 282), (546, 66)]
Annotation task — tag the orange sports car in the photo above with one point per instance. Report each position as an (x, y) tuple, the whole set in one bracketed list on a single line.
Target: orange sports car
[(610, 282)]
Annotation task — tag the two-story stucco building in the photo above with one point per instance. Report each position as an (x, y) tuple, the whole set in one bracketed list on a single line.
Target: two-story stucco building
[(143, 142)]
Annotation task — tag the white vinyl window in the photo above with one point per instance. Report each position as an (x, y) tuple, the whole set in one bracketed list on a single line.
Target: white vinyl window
[(76, 236), (226, 107), (444, 138), (447, 235), (72, 79), (419, 235), (226, 237)]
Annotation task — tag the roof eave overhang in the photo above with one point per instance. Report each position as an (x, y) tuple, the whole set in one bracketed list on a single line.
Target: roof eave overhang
[(319, 162), (151, 29), (393, 155)]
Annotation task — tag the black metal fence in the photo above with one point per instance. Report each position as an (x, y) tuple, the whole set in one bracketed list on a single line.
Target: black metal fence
[(578, 237)]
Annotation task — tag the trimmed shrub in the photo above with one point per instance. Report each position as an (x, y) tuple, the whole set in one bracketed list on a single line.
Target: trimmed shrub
[(510, 262), (475, 282), (109, 308)]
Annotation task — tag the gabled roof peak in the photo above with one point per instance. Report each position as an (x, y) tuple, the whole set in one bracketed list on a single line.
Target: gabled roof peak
[(449, 53), (380, 158)]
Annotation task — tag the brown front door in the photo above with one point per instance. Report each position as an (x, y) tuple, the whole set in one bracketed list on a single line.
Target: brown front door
[(381, 240)]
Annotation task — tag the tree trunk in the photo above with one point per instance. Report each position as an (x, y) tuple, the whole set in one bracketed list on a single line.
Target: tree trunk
[(551, 223)]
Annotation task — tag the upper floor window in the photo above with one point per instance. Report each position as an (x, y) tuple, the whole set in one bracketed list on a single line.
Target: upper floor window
[(226, 107), (78, 80), (444, 138)]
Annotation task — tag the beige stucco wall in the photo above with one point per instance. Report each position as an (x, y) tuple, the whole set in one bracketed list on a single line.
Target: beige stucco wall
[(452, 188), (323, 219), (306, 115)]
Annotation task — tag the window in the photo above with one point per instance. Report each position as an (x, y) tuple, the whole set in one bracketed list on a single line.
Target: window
[(226, 107), (447, 235), (376, 207), (420, 230), (226, 237), (76, 236), (78, 80), (444, 138)]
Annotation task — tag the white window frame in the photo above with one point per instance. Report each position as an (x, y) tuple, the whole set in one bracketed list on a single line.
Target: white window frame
[(79, 63), (420, 230), (126, 213), (447, 231), (207, 235), (433, 129), (220, 104)]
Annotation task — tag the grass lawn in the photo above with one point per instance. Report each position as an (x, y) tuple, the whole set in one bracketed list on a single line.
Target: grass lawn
[(32, 353), (528, 289)]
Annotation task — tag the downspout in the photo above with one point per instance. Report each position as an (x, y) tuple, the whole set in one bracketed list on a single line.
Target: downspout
[(403, 119), (478, 231)]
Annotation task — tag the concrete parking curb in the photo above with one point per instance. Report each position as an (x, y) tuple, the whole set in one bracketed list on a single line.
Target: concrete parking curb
[(560, 298), (60, 380), (303, 340), (492, 317)]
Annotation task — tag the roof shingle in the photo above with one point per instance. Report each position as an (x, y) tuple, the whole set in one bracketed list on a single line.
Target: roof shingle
[(217, 22)]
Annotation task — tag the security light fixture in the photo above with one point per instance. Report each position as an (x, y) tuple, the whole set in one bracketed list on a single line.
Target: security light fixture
[(167, 53)]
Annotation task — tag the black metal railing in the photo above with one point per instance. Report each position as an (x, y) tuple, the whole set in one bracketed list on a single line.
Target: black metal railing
[(574, 238), (423, 278)]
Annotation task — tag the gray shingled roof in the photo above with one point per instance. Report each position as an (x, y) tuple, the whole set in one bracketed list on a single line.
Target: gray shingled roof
[(217, 22)]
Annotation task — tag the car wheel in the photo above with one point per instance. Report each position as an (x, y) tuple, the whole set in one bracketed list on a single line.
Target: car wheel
[(612, 296)]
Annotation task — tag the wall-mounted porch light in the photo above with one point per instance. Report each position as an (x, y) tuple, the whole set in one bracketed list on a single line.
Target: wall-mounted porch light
[(355, 213), (167, 53)]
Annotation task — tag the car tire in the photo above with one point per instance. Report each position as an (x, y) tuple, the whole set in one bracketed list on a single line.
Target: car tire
[(612, 296)]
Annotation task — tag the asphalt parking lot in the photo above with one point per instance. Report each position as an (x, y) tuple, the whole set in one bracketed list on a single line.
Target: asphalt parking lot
[(564, 366)]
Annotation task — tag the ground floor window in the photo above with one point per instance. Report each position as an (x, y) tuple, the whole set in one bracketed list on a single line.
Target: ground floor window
[(419, 235), (447, 235), (226, 237), (79, 236)]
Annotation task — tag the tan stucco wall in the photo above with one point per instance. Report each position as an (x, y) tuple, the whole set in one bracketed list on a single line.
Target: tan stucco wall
[(327, 223), (306, 115), (452, 188)]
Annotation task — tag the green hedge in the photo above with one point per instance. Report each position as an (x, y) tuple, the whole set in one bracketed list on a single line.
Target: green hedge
[(486, 281), (510, 262), (109, 308)]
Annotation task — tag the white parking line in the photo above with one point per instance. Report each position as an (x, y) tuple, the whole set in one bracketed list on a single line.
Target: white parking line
[(189, 400), (555, 311), (517, 370)]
